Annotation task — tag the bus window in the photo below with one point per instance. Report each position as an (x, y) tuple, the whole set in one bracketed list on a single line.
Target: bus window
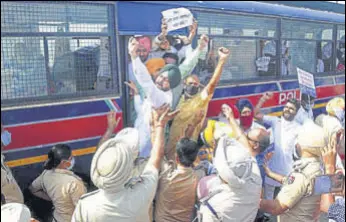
[(54, 62), (250, 57), (306, 30), (340, 54)]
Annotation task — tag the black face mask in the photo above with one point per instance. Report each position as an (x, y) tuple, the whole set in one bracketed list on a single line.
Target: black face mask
[(191, 90)]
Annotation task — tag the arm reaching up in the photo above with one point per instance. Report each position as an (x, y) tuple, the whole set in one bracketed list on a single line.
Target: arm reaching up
[(267, 96), (112, 124), (160, 117), (223, 56)]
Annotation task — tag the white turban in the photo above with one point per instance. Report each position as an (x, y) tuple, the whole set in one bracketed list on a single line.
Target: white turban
[(233, 162), (15, 212), (312, 138), (113, 162)]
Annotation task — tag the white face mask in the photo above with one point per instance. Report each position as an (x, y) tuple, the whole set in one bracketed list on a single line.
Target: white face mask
[(72, 164), (6, 138)]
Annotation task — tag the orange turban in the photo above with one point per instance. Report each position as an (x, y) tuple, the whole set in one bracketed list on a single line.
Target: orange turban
[(155, 64)]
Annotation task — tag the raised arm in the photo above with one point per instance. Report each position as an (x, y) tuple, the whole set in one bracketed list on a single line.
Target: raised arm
[(143, 77), (258, 114), (112, 124), (160, 117), (191, 60), (223, 56), (237, 131)]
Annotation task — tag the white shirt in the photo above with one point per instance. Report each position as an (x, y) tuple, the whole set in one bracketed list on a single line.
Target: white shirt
[(285, 136), (234, 205), (143, 110), (156, 96), (303, 115), (128, 205)]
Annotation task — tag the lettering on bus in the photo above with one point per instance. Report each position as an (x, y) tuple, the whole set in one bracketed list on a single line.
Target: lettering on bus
[(284, 96)]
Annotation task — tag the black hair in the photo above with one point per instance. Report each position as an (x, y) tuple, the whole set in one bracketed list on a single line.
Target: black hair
[(295, 102), (57, 154), (187, 151), (305, 97), (173, 56), (3, 200)]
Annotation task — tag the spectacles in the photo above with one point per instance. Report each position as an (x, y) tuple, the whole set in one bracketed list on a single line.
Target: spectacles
[(255, 141)]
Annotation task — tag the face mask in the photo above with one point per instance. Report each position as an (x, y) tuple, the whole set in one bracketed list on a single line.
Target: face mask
[(191, 90), (246, 121), (339, 113), (72, 164), (308, 106), (6, 138)]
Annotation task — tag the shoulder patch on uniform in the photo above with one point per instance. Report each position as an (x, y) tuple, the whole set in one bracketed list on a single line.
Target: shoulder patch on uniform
[(290, 179), (89, 194)]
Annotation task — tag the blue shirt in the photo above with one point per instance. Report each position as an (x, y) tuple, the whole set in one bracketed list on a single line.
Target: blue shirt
[(260, 162)]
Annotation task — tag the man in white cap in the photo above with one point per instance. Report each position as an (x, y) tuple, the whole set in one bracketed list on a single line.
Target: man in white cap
[(119, 197), (16, 212), (296, 201), (237, 197)]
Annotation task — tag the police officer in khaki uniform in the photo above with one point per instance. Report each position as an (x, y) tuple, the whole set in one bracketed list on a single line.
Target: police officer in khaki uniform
[(296, 201), (59, 184), (9, 186)]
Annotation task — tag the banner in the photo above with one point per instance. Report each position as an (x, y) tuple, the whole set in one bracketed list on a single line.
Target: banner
[(177, 18), (306, 83)]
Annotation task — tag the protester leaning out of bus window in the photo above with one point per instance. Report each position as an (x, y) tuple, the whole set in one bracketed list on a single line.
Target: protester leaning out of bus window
[(9, 186), (59, 184), (194, 99)]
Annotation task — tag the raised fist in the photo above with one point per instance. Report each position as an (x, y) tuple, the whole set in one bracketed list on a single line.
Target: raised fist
[(203, 42), (224, 53), (133, 46)]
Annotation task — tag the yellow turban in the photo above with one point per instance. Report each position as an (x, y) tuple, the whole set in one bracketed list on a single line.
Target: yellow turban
[(154, 65), (336, 103)]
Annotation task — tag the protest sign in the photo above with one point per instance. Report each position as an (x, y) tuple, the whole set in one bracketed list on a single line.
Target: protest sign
[(306, 83), (177, 18)]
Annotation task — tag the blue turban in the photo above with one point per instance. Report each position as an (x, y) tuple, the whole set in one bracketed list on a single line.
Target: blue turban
[(242, 103)]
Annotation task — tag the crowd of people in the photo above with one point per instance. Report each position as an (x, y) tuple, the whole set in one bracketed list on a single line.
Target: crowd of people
[(178, 165)]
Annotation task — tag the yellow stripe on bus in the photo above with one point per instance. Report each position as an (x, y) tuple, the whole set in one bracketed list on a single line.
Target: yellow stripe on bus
[(90, 150), (40, 159)]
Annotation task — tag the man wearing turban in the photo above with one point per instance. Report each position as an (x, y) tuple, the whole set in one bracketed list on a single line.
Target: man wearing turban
[(296, 200), (193, 101), (246, 119), (120, 197)]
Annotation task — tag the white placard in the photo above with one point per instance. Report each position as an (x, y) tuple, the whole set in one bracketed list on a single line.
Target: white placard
[(306, 82), (177, 18)]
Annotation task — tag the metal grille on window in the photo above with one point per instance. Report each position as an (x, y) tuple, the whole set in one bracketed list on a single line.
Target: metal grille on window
[(252, 41), (55, 50)]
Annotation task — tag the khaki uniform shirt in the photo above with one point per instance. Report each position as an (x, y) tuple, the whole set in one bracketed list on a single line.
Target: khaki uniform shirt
[(296, 194), (63, 187), (128, 205), (176, 193), (9, 186), (234, 204)]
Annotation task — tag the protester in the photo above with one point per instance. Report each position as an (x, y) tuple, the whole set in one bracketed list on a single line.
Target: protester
[(171, 58), (235, 193), (120, 198), (296, 200), (222, 117), (9, 186), (193, 101), (305, 112), (16, 212), (285, 131), (59, 184), (154, 67), (246, 119), (167, 86)]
